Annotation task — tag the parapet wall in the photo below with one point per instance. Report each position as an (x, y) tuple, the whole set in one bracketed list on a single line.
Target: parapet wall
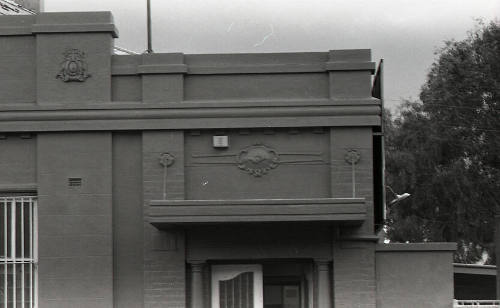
[(58, 73)]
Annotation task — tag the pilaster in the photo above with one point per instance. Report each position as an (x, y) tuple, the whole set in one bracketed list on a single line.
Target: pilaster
[(162, 77), (197, 296), (350, 73), (164, 250), (323, 284), (354, 283)]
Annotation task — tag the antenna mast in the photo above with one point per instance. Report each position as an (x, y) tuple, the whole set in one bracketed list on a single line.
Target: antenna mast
[(150, 47)]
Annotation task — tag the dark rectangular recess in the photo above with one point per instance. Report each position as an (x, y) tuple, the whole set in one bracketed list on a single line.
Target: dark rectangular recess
[(378, 181), (74, 182)]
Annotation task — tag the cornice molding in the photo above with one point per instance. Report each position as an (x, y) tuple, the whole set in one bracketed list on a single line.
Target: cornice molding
[(286, 68), (177, 113), (188, 115), (351, 104), (186, 123), (16, 30)]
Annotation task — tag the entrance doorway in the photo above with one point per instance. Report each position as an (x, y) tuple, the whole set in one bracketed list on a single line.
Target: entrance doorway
[(265, 285)]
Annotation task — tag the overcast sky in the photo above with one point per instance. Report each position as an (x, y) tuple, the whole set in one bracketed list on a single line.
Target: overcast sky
[(405, 33)]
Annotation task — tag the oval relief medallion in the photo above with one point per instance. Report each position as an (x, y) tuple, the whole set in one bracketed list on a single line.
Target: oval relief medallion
[(257, 159)]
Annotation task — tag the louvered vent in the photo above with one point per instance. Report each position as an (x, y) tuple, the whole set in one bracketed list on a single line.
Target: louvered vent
[(74, 182)]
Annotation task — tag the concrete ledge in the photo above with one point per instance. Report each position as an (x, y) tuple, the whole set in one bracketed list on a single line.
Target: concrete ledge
[(18, 188), (398, 247), (351, 66), (242, 69), (162, 69), (75, 28), (168, 212), (359, 238), (12, 31), (257, 69), (474, 269), (258, 63)]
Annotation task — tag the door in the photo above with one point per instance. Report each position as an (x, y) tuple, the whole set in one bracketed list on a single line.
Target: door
[(237, 286), (282, 295)]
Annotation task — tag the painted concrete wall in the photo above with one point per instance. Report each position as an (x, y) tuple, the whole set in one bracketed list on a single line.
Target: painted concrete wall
[(18, 66), (259, 241), (75, 222), (414, 275), (17, 160)]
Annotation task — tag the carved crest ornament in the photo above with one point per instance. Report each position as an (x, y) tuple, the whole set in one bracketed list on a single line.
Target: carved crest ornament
[(257, 159), (74, 67)]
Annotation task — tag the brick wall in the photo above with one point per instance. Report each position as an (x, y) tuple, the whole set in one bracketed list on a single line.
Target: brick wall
[(354, 283), (360, 140), (353, 261)]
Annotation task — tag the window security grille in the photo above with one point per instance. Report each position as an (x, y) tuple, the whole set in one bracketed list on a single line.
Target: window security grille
[(18, 252), (476, 303)]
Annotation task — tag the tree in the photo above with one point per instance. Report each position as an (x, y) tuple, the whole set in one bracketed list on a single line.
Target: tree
[(445, 150)]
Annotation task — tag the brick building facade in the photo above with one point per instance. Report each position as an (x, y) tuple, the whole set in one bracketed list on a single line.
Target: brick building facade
[(216, 180)]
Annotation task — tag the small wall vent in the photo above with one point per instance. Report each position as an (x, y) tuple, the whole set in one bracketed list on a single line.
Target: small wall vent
[(74, 182)]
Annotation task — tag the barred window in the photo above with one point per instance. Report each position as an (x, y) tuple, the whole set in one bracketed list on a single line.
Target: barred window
[(18, 252)]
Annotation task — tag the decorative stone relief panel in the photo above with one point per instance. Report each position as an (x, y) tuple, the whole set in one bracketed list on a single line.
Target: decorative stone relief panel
[(257, 159), (74, 66), (258, 164)]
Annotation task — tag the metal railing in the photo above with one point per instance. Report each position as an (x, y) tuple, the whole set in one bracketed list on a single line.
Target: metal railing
[(18, 252), (476, 303)]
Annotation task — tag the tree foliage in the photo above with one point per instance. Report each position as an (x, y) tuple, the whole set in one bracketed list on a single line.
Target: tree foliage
[(445, 150)]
